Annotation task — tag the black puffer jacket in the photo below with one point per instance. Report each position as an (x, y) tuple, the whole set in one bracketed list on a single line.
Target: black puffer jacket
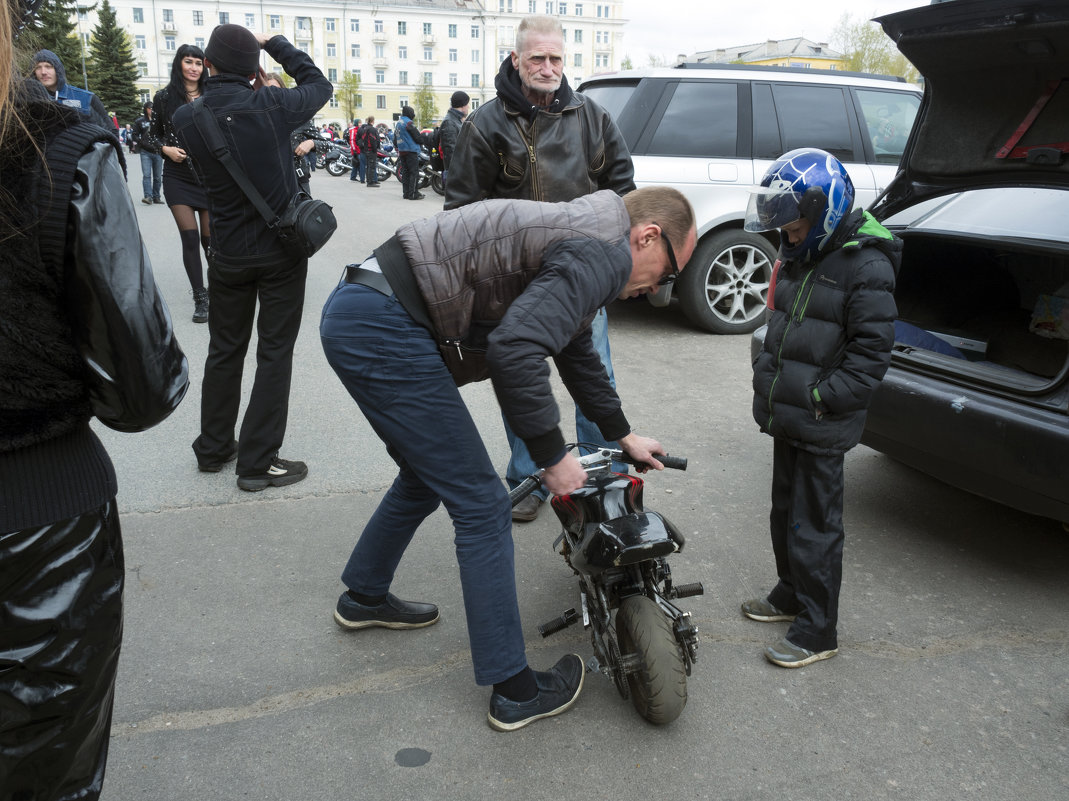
[(829, 338), (508, 148)]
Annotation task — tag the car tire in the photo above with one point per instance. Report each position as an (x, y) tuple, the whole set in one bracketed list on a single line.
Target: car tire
[(724, 288)]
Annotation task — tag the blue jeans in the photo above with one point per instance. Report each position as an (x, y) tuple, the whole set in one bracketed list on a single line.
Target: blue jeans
[(391, 367), (521, 464), (151, 174), (359, 165)]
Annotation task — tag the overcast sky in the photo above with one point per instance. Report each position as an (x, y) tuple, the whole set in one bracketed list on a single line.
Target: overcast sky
[(666, 28)]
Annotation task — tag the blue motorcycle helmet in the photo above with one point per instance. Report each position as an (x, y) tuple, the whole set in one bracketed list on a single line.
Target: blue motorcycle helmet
[(804, 183)]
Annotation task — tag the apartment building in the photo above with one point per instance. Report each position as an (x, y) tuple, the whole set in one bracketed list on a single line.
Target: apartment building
[(392, 46)]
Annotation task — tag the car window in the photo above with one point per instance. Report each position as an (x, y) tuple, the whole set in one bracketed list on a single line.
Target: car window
[(812, 116), (612, 97), (702, 119), (888, 119)]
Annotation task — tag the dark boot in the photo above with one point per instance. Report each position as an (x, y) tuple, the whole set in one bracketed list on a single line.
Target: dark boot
[(200, 308)]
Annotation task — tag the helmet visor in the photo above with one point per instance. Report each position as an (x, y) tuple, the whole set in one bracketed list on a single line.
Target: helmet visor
[(769, 209)]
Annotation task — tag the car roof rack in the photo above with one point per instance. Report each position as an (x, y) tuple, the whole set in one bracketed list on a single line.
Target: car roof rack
[(703, 65)]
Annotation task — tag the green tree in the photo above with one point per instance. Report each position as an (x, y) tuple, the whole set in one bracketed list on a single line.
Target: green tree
[(113, 72), (626, 63), (54, 28), (425, 104), (348, 93), (866, 48)]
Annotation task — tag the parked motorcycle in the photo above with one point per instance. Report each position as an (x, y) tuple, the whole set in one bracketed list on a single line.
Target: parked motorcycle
[(338, 160), (620, 553)]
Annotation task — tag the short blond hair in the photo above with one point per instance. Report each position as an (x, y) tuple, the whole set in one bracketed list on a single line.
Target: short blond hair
[(663, 205), (542, 24)]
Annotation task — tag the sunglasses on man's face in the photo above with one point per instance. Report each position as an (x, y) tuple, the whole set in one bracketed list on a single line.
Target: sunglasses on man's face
[(671, 277)]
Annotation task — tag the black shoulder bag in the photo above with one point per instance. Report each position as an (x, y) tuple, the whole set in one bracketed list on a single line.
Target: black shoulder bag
[(306, 224)]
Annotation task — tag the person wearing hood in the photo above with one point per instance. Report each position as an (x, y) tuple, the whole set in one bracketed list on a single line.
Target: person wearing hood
[(408, 138), (539, 140), (826, 349), (48, 69)]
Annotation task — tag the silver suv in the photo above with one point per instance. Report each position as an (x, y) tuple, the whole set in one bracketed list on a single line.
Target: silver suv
[(712, 130)]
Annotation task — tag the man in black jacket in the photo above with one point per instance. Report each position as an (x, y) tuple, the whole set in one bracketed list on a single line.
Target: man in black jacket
[(151, 163), (826, 349), (248, 263), (491, 290)]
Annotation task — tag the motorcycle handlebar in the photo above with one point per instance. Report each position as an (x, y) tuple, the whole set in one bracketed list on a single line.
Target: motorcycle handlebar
[(593, 461)]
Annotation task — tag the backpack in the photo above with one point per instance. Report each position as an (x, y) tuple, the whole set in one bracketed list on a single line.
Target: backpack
[(436, 149)]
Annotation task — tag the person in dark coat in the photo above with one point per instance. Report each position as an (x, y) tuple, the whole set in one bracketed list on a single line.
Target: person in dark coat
[(827, 347)]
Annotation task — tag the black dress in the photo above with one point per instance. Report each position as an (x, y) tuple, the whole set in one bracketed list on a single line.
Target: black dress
[(180, 184)]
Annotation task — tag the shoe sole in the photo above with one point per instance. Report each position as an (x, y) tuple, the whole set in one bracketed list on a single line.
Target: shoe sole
[(498, 725), (352, 625), (769, 618), (809, 660), (258, 484)]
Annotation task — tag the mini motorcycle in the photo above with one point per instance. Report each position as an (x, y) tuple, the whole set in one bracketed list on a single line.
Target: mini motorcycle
[(620, 551)]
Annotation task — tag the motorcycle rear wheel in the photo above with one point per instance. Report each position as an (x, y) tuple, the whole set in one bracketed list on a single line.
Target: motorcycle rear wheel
[(335, 168), (659, 686)]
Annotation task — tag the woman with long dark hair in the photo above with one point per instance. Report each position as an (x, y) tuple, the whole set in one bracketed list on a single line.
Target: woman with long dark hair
[(83, 333), (185, 196)]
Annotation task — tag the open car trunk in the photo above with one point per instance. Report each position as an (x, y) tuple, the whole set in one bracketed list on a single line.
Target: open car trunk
[(996, 314)]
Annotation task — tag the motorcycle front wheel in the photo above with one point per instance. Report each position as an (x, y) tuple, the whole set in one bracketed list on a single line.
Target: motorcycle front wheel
[(382, 173), (437, 184), (659, 684), (335, 168)]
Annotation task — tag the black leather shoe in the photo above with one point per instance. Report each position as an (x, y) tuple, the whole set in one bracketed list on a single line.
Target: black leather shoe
[(558, 689), (393, 613), (218, 464)]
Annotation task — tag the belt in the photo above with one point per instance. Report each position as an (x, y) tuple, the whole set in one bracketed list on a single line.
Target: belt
[(355, 274)]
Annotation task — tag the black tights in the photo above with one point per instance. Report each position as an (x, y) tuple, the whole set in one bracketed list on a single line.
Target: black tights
[(192, 242)]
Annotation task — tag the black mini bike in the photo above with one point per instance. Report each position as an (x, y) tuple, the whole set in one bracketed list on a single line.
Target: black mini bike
[(620, 553)]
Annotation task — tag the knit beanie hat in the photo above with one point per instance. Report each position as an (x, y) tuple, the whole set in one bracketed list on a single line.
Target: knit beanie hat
[(459, 99), (233, 49)]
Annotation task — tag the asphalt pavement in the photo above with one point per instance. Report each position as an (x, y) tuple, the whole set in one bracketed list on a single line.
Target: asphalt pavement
[(235, 683)]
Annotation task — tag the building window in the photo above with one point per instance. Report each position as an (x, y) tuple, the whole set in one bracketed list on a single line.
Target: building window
[(562, 9), (250, 20), (402, 52), (453, 54), (329, 22), (577, 37), (428, 53), (380, 51), (356, 74), (378, 26), (380, 76), (334, 102), (505, 6), (428, 78), (142, 68), (332, 74), (139, 15), (332, 50), (402, 77), (577, 60), (199, 42), (603, 12), (402, 29), (427, 29), (304, 23), (549, 7), (275, 21), (601, 60), (198, 18), (224, 17), (169, 43), (601, 37), (475, 79), (474, 31), (453, 79), (139, 42), (354, 26), (578, 9), (452, 32), (354, 50), (503, 53), (380, 101), (531, 7), (475, 56), (168, 15)]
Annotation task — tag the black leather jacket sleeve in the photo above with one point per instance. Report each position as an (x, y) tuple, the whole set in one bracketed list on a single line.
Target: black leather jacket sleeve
[(137, 372)]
